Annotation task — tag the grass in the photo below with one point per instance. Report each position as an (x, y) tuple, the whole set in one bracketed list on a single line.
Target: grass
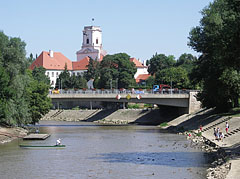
[(76, 108), (133, 106), (164, 124), (148, 105), (234, 112), (199, 134)]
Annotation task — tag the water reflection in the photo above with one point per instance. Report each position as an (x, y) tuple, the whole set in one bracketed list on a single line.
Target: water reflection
[(103, 151)]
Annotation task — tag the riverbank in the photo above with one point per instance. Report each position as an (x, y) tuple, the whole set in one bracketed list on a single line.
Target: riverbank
[(223, 153), (7, 134), (120, 116)]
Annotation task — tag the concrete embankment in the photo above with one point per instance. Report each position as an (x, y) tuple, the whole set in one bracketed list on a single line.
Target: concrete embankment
[(8, 134), (120, 116), (225, 153)]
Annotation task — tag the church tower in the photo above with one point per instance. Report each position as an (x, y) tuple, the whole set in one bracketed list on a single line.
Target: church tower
[(92, 44)]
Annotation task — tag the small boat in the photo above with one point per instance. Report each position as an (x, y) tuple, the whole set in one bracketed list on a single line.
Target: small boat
[(42, 146)]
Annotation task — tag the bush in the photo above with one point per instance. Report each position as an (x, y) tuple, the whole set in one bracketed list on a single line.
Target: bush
[(133, 106), (76, 108), (164, 124)]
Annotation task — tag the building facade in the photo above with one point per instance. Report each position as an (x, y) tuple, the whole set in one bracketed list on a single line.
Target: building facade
[(92, 44), (55, 62)]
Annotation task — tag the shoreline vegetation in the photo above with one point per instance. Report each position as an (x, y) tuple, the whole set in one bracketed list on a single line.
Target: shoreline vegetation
[(219, 153)]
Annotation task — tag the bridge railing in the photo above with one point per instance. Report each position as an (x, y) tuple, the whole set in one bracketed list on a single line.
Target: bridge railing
[(118, 91)]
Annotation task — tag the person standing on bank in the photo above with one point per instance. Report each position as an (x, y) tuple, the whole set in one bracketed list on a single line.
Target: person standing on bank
[(227, 127)]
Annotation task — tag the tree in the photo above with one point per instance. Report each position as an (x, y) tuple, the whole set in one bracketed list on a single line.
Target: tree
[(93, 69), (175, 76), (30, 59), (159, 62), (186, 61), (5, 93), (16, 85), (117, 71), (77, 82), (38, 74), (37, 91), (218, 38), (150, 81), (63, 81)]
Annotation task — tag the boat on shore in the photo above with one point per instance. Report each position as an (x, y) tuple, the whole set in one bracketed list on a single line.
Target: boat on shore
[(42, 146)]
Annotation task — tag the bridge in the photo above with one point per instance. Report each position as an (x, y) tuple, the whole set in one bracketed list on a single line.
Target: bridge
[(185, 101)]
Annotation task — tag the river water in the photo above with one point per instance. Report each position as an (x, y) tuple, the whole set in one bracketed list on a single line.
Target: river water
[(104, 152)]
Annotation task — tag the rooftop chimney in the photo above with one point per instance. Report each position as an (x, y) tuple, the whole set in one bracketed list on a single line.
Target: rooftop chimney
[(51, 53)]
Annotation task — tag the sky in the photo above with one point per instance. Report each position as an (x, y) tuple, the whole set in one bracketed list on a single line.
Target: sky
[(139, 28)]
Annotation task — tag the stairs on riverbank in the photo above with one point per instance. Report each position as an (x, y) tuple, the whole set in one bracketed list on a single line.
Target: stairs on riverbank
[(216, 124)]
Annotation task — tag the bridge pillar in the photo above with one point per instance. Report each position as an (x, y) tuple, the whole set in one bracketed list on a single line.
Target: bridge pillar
[(124, 105), (91, 105), (194, 104)]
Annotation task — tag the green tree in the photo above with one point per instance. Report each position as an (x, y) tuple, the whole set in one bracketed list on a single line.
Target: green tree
[(13, 60), (63, 81), (186, 61), (93, 69), (159, 62), (5, 93), (16, 85), (77, 82), (175, 76), (150, 81), (37, 92), (38, 74), (117, 71), (30, 59), (217, 38)]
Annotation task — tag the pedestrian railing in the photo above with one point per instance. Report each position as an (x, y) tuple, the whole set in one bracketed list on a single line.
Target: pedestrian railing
[(117, 91)]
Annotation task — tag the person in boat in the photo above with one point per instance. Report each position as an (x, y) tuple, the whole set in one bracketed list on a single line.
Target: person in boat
[(58, 142)]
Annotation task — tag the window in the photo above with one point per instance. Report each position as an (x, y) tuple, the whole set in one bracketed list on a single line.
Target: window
[(96, 41), (78, 73), (87, 41), (73, 73), (52, 74), (57, 74), (47, 73)]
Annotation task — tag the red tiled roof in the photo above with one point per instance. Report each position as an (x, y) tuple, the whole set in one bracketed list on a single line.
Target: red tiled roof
[(137, 63), (81, 65), (57, 62), (142, 77)]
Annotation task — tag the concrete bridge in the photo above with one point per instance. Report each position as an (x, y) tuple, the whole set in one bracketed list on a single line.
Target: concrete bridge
[(184, 101)]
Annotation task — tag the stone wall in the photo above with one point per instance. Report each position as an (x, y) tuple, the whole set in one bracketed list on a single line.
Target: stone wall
[(120, 116)]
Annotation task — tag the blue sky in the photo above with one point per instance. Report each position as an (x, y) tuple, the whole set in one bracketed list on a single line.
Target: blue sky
[(139, 28)]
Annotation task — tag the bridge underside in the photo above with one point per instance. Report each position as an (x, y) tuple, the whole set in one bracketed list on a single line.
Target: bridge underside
[(179, 106), (184, 103)]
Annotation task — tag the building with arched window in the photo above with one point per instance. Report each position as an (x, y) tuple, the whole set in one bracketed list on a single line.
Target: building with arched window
[(55, 62)]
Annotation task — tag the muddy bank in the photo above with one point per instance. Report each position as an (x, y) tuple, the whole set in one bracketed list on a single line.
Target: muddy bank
[(7, 134)]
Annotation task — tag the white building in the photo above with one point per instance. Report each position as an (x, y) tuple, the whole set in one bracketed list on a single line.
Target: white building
[(54, 62), (92, 44)]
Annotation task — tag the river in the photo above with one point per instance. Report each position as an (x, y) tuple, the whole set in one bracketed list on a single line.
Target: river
[(104, 152)]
